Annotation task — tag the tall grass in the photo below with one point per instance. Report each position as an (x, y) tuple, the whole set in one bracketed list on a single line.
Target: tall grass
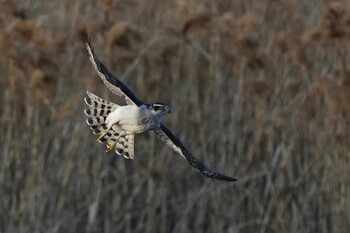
[(258, 90)]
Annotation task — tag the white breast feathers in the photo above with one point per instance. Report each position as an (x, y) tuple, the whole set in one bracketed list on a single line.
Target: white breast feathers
[(124, 115), (132, 119)]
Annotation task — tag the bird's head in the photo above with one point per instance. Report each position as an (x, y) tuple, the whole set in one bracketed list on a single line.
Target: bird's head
[(159, 109)]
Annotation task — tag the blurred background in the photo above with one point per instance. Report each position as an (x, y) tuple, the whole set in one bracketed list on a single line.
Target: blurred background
[(259, 90)]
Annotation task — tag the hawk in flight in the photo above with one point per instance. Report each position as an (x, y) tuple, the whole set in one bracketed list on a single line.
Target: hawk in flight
[(117, 125)]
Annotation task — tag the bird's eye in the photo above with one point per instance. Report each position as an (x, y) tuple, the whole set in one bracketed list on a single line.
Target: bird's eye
[(156, 108)]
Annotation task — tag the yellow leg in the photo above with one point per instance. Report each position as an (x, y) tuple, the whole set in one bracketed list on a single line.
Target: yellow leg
[(103, 134), (110, 146)]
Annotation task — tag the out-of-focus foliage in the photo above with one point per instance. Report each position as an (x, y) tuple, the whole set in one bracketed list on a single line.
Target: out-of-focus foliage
[(259, 90)]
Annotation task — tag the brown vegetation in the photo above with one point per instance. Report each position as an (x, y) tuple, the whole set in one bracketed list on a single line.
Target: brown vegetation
[(259, 90)]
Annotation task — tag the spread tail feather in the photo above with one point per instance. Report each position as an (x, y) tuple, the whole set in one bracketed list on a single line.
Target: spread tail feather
[(124, 145), (97, 111)]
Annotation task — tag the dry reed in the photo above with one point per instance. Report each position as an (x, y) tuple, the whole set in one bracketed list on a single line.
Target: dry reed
[(259, 90)]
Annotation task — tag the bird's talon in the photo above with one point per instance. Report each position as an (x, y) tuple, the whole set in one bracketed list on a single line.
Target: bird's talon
[(102, 135), (110, 146)]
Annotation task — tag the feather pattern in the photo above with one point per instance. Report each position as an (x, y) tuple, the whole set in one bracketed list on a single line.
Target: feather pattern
[(124, 143), (97, 112), (113, 84), (175, 144), (125, 146)]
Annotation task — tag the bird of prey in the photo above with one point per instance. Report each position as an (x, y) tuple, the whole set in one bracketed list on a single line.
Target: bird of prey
[(117, 125)]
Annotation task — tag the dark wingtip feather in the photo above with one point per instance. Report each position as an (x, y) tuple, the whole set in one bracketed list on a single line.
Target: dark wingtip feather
[(82, 34), (216, 175), (89, 46), (219, 176), (90, 49), (204, 170), (86, 38)]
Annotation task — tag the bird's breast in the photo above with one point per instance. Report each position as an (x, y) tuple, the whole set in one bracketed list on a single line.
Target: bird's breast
[(132, 118)]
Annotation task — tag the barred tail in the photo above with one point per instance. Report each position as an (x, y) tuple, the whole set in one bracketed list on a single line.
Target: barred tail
[(97, 111), (123, 144)]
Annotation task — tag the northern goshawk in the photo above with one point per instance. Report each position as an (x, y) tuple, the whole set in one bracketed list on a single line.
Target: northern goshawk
[(117, 125)]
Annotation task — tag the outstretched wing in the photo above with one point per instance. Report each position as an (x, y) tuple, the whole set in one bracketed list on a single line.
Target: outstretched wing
[(168, 137), (113, 84)]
